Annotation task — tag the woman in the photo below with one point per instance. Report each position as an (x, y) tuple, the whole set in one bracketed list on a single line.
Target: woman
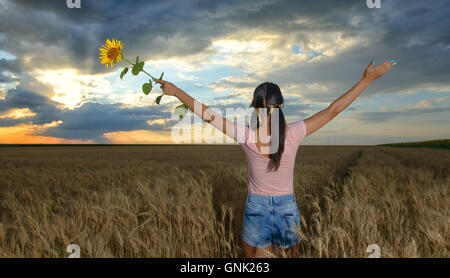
[(271, 214)]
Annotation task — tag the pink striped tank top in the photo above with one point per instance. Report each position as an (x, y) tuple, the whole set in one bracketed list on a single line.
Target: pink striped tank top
[(281, 181)]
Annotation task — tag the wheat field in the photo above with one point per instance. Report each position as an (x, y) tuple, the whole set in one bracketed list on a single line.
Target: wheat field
[(188, 201)]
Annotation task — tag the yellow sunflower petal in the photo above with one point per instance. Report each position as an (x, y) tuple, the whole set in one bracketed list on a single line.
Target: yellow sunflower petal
[(111, 52)]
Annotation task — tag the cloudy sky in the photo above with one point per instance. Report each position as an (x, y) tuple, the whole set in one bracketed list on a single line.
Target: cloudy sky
[(53, 88)]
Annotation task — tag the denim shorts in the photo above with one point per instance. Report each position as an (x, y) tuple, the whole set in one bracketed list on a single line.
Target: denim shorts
[(271, 219)]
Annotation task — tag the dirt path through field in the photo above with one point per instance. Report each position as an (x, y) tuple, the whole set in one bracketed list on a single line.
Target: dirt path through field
[(383, 200)]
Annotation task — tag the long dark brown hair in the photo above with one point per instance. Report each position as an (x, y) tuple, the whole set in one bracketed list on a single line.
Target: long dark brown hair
[(268, 95)]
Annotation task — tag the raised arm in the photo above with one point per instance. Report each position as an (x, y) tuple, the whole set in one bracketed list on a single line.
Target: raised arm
[(318, 120), (200, 109)]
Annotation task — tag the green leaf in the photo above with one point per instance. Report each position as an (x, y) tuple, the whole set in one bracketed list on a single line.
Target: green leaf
[(138, 67), (158, 99), (180, 111), (122, 74), (146, 88), (137, 59), (182, 106), (135, 70), (162, 74)]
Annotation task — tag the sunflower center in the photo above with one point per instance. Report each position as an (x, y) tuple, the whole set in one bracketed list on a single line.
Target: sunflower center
[(113, 53)]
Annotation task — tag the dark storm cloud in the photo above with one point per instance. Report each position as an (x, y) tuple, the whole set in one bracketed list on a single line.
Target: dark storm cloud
[(383, 116), (90, 121), (13, 66), (413, 32), (226, 83), (44, 108), (56, 36), (75, 34), (20, 98), (293, 109), (10, 66), (5, 79)]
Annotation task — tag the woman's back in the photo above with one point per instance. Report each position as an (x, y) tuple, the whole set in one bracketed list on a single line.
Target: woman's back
[(261, 181)]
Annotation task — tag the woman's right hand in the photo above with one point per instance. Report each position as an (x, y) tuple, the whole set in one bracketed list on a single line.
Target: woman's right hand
[(371, 74)]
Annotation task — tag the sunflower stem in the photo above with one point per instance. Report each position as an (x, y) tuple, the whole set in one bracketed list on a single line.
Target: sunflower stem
[(142, 69)]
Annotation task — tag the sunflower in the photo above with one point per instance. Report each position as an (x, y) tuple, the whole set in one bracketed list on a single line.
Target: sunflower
[(111, 52)]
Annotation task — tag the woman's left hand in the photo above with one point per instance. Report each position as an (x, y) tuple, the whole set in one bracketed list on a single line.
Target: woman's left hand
[(168, 87)]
